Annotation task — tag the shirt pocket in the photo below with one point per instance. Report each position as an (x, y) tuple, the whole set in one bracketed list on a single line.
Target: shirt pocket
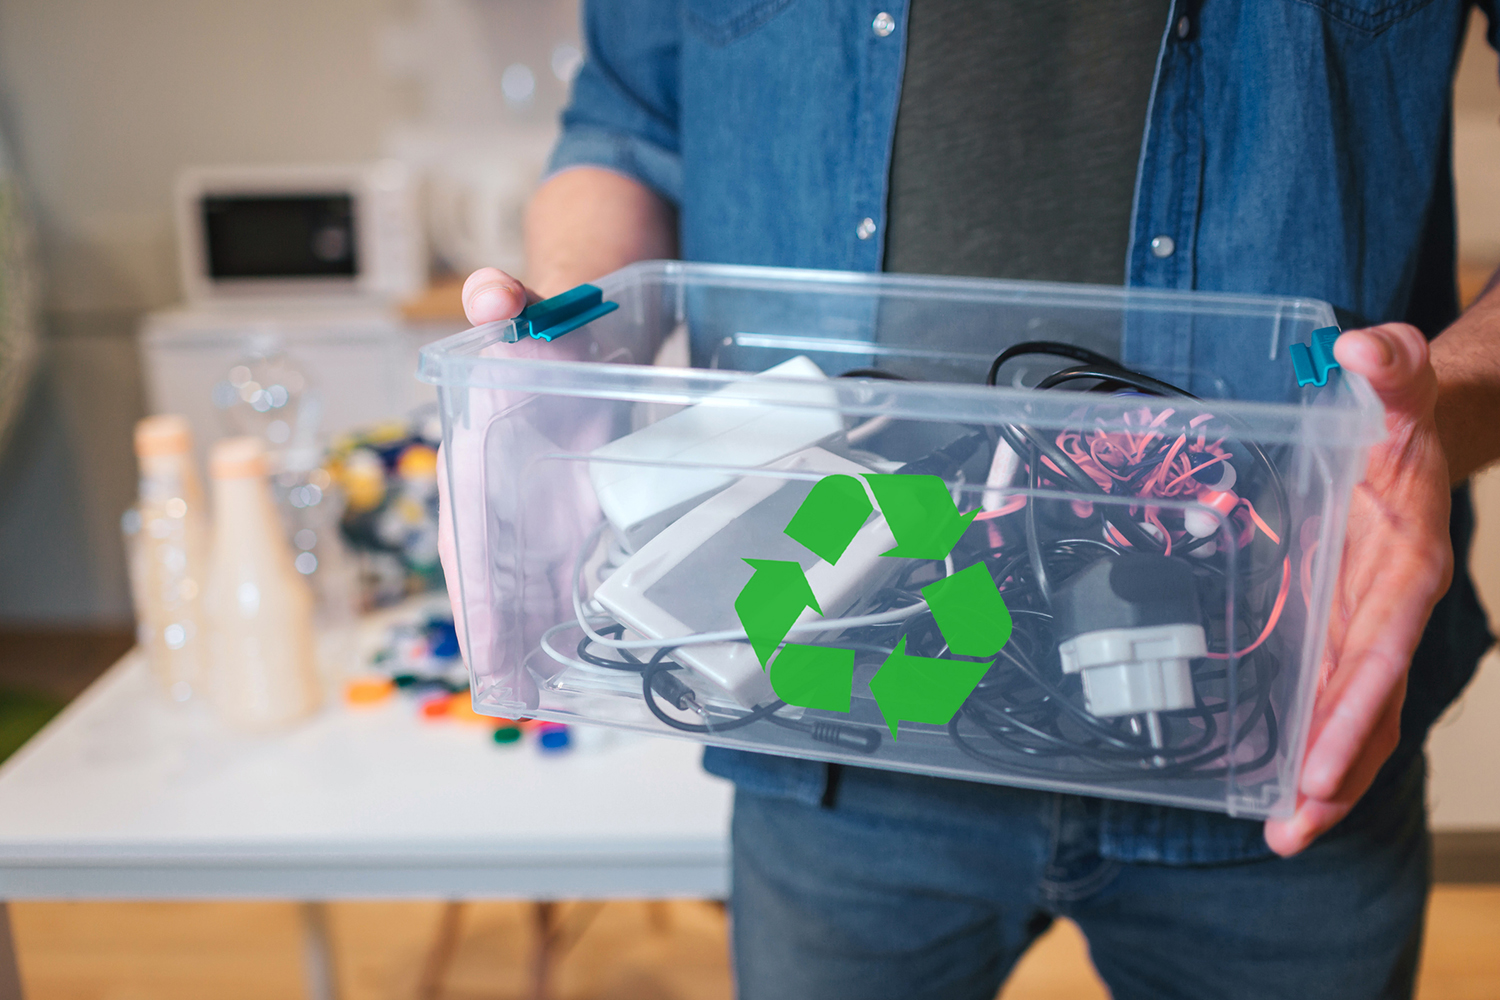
[(1368, 16), (720, 22)]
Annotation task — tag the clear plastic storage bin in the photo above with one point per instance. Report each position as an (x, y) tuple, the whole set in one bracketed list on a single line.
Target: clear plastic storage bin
[(831, 538)]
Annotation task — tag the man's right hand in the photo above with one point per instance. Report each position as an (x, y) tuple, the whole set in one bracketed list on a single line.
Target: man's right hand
[(491, 295)]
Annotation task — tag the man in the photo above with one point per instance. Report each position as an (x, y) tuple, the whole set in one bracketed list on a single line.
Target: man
[(1294, 147)]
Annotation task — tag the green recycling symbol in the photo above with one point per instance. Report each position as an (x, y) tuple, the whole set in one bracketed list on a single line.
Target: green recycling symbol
[(966, 605)]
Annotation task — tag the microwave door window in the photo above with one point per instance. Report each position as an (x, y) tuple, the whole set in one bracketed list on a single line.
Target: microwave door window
[(281, 236)]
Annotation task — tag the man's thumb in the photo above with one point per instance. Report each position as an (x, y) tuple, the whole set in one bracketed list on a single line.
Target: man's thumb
[(1394, 358)]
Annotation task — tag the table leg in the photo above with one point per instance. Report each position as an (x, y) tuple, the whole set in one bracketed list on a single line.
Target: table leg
[(317, 953), (440, 955), (10, 972)]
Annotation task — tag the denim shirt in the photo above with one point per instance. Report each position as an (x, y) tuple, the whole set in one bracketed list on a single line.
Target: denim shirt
[(1291, 147)]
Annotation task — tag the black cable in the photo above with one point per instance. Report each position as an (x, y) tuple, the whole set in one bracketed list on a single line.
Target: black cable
[(1055, 348), (1033, 540), (1106, 370), (656, 667), (861, 739), (1112, 372), (872, 373), (614, 632)]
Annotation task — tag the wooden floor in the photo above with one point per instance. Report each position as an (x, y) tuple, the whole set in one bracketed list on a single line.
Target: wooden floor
[(58, 662), (621, 951)]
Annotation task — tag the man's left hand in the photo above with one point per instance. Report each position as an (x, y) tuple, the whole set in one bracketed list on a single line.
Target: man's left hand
[(1397, 562)]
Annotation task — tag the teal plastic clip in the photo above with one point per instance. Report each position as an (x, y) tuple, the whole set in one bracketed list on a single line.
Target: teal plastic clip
[(1312, 367), (551, 318)]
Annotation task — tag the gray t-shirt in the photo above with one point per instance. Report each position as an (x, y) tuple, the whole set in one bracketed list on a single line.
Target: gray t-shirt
[(1018, 136)]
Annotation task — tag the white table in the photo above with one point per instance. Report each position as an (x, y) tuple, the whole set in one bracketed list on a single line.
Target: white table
[(125, 796)]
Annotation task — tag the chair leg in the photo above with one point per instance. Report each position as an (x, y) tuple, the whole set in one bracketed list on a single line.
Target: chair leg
[(659, 915), (541, 955), (317, 953)]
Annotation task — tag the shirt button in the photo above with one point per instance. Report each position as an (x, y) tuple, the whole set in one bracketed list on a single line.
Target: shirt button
[(1161, 246), (866, 229), (884, 24), (1184, 26)]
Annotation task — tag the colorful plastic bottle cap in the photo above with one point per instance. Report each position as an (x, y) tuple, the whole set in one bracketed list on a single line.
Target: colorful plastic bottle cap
[(165, 434), (461, 709), (444, 639), (436, 708), (554, 738), (237, 458), (368, 690), (507, 734)]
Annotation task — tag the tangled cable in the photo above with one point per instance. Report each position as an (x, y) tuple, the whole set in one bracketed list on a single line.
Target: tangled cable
[(1133, 486)]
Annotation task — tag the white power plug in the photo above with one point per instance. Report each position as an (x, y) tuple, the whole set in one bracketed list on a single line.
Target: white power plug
[(1131, 671)]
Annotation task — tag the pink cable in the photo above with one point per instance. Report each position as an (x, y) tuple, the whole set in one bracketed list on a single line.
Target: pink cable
[(1265, 633)]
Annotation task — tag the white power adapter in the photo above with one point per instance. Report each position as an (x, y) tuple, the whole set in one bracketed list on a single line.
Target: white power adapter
[(1129, 624), (685, 580), (1131, 671), (646, 480)]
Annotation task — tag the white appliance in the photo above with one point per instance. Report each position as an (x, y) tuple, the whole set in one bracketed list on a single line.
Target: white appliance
[(357, 363)]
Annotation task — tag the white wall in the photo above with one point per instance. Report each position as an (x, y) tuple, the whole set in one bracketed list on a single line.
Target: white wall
[(1476, 149), (108, 98)]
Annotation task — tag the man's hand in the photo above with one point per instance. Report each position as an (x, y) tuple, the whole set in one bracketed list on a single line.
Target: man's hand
[(582, 224), (1397, 562)]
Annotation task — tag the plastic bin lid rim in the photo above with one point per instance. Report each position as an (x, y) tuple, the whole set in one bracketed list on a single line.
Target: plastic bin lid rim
[(454, 362), (1357, 425), (978, 290)]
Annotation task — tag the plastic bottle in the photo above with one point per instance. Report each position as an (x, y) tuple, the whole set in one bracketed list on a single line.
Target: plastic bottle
[(262, 655), (167, 532)]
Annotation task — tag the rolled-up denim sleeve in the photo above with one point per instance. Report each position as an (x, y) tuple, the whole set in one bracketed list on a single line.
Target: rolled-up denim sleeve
[(622, 114)]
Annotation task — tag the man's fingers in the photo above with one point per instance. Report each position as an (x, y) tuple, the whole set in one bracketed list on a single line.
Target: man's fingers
[(1315, 817), (491, 295), (1394, 358), (1312, 818), (1372, 664)]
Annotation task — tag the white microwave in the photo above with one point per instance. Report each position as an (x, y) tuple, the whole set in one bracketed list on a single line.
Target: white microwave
[(257, 232)]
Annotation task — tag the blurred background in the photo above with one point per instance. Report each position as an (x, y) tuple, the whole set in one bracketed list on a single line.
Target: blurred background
[(448, 107), (105, 104)]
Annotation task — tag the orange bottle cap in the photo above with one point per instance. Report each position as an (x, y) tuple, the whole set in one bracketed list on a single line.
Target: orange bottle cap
[(436, 708), (461, 708), (164, 434), (237, 458), (368, 690)]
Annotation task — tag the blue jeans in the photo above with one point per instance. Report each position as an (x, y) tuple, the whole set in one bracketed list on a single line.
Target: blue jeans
[(909, 887)]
